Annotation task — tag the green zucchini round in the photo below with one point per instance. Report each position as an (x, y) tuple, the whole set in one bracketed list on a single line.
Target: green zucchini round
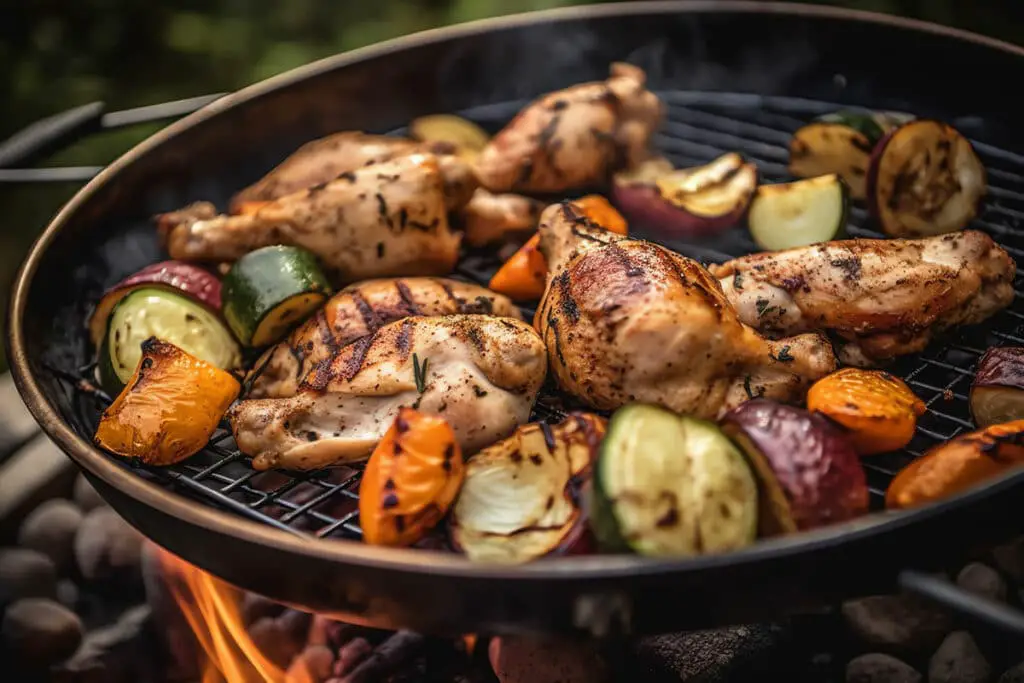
[(269, 291)]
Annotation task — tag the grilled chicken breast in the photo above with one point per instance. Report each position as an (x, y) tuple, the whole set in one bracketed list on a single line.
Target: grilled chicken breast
[(626, 320), (480, 372), (882, 298), (575, 137), (323, 160), (381, 220), (490, 218), (359, 310)]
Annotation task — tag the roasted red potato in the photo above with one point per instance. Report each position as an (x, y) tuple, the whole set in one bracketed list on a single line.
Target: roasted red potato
[(410, 481), (168, 409), (957, 465), (997, 392), (879, 410)]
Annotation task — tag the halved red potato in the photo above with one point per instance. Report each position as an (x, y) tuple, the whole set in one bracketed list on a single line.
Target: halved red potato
[(997, 392)]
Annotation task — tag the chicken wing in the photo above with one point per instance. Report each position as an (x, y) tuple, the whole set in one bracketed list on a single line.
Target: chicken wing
[(626, 320), (575, 137), (323, 160), (359, 310), (490, 218), (480, 372), (381, 220), (881, 298)]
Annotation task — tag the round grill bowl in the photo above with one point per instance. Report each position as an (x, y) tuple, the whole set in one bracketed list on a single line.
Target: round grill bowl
[(735, 75)]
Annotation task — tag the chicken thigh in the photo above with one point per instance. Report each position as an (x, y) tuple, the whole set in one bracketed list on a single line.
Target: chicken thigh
[(882, 298), (359, 310), (626, 320), (575, 137), (480, 372), (381, 220), (323, 160), (490, 218)]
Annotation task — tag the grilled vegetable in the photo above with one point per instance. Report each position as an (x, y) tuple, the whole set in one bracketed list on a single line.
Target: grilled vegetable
[(176, 276), (808, 473), (169, 316), (169, 408), (693, 201), (957, 465), (997, 392), (269, 291), (521, 497), (879, 410), (468, 138), (925, 179), (800, 213), (523, 275), (410, 480), (839, 143), (671, 485)]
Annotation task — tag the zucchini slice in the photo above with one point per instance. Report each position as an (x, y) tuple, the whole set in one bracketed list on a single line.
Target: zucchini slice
[(269, 291), (925, 179), (168, 316), (668, 485), (796, 214)]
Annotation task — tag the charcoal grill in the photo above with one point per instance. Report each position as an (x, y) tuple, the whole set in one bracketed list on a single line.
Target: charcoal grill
[(736, 76)]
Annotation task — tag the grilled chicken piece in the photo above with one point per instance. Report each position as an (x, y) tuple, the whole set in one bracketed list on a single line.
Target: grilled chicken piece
[(323, 160), (626, 320), (883, 298), (575, 137), (381, 220), (359, 310), (490, 218), (480, 372)]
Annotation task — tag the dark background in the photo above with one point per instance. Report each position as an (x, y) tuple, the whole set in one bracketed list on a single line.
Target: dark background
[(55, 54)]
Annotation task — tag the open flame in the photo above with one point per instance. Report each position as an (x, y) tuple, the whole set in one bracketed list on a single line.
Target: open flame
[(213, 610)]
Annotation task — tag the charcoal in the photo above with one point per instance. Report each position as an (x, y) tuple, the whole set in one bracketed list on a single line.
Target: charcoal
[(958, 660), (107, 547), (255, 607), (26, 574), (50, 529), (899, 624), (112, 654), (313, 665), (878, 667), (1009, 558), (982, 580), (85, 496), (40, 632), (295, 625), (351, 655), (535, 660), (270, 637), (1014, 674), (68, 593)]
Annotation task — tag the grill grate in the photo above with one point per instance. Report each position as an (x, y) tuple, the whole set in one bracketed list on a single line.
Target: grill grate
[(699, 127)]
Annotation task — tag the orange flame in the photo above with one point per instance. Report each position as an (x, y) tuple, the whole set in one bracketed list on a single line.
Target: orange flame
[(212, 608)]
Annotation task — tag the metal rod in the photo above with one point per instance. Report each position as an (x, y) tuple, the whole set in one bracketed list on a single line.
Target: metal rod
[(157, 112), (62, 174), (947, 594)]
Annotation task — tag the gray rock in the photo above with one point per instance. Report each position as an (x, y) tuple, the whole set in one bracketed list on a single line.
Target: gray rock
[(85, 495), (67, 593), (40, 632), (958, 660), (107, 547), (876, 667), (982, 580), (25, 574), (896, 623), (51, 529), (1014, 674)]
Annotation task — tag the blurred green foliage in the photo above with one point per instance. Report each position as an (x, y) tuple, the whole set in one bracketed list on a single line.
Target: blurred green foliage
[(57, 54)]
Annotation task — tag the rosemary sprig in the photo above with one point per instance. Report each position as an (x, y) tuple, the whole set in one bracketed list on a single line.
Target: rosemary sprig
[(419, 372)]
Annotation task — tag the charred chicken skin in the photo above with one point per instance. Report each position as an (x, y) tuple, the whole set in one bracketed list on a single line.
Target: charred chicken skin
[(381, 220), (626, 320), (574, 137), (359, 310), (323, 160), (881, 298), (480, 372)]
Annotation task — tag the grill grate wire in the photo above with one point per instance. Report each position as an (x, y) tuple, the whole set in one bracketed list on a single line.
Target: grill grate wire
[(699, 126)]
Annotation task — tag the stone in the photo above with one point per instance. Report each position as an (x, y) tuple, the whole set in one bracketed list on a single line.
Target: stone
[(25, 574), (107, 547), (351, 655), (877, 667), (67, 593), (85, 496), (1014, 674), (18, 425), (958, 660), (313, 665), (51, 529), (521, 659), (896, 623), (728, 654), (37, 472), (982, 580), (115, 653), (269, 636), (1009, 558), (40, 632), (255, 607)]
